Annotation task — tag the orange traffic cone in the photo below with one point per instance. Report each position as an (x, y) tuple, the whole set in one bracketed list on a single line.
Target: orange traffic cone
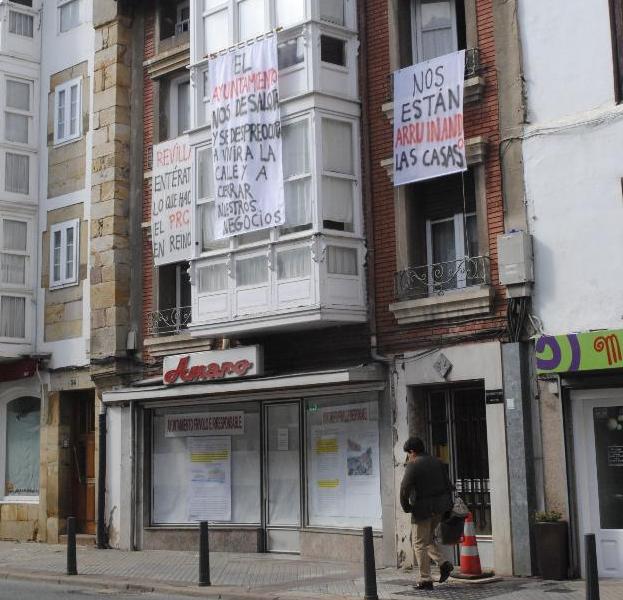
[(470, 561)]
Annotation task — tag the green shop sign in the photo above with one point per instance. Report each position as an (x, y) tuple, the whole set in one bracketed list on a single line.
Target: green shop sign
[(595, 350)]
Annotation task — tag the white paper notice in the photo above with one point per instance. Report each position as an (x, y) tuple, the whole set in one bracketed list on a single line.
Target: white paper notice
[(328, 472), (428, 119), (210, 478), (246, 139)]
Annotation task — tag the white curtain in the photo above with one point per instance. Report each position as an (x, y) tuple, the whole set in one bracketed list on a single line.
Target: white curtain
[(443, 241), (204, 174), (290, 12), (70, 15), (12, 269), (14, 235), (337, 146), (16, 128), (436, 28), (18, 95), (337, 201), (298, 202), (16, 173), (295, 263), (12, 317), (341, 261), (22, 447), (295, 149), (20, 24), (213, 278), (216, 31), (251, 271), (332, 11), (250, 19)]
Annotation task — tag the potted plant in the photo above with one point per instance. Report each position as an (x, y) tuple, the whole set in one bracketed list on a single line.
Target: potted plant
[(552, 554)]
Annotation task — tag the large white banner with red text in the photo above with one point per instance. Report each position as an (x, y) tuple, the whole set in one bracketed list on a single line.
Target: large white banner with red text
[(171, 206), (428, 119), (246, 139)]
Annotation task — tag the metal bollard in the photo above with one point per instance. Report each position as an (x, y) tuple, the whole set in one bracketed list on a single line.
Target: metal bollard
[(71, 546), (592, 577), (369, 567), (204, 555)]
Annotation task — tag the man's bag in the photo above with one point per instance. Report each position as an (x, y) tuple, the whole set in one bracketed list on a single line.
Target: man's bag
[(451, 527)]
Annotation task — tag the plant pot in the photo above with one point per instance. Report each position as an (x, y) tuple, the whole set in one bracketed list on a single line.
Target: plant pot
[(552, 552)]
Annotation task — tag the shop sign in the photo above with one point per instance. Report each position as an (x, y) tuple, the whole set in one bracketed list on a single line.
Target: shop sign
[(590, 351), (213, 365), (196, 424)]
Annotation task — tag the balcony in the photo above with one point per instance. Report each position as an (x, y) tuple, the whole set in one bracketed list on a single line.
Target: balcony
[(168, 322), (443, 290)]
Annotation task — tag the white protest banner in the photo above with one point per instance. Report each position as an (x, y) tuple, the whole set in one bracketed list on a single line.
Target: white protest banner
[(246, 139), (171, 206), (428, 119)]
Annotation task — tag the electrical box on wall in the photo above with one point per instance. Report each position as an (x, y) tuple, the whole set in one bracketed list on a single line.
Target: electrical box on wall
[(515, 258)]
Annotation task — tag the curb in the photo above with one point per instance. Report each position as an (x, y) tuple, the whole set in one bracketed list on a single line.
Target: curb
[(133, 585)]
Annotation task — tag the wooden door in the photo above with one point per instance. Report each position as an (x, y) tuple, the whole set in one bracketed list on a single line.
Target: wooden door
[(83, 450)]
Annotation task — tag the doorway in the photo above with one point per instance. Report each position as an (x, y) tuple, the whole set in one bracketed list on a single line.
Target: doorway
[(598, 449), (282, 481)]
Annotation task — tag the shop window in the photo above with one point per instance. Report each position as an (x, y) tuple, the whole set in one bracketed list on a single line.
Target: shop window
[(64, 253), (12, 317), (616, 23), (341, 261), (233, 484), (20, 24), (291, 52), (333, 50), (344, 483), (13, 252), (293, 264), (338, 175), (68, 14), (17, 173), (332, 11), (18, 111), (21, 463), (67, 111)]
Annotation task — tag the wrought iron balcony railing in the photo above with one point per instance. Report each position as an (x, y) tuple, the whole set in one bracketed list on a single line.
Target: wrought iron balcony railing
[(169, 321), (438, 278)]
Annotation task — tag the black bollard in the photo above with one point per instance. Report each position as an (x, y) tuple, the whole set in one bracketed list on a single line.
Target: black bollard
[(204, 555), (369, 567), (592, 577), (71, 546)]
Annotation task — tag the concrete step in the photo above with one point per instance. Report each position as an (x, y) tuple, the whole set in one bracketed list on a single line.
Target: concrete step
[(82, 539)]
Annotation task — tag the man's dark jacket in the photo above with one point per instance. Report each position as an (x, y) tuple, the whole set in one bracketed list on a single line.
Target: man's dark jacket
[(425, 489)]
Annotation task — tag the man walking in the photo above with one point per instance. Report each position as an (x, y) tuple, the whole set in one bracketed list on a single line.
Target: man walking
[(425, 492)]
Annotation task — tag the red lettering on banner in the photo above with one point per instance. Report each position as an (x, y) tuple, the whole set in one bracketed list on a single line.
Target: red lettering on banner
[(205, 372)]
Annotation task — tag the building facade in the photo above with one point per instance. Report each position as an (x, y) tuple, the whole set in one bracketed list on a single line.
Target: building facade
[(573, 194)]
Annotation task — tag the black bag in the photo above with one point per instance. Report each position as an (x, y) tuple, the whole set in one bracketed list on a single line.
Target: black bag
[(451, 530)]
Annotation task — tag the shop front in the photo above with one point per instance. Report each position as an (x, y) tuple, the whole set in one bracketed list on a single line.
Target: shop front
[(274, 464), (581, 383)]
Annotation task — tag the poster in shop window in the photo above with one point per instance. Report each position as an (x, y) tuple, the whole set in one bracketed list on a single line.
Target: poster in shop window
[(246, 139), (429, 140), (345, 479), (209, 496)]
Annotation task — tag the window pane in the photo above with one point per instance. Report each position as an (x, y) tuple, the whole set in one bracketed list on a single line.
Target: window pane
[(60, 117), (436, 14), (16, 173), (293, 263), (290, 12), (290, 53), (298, 203), (337, 203), (16, 128), (69, 15), (20, 24), (251, 271), (337, 146), (332, 11), (471, 235), (204, 174), (436, 28), (333, 50), (183, 107), (14, 235), (22, 447), (213, 278), (295, 149), (73, 110), (210, 4), (23, 2), (12, 317), (216, 32), (443, 241), (56, 257), (250, 19), (341, 261), (18, 95), (207, 229), (69, 254), (12, 269)]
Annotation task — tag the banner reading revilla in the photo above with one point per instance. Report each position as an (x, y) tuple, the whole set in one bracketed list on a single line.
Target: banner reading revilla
[(428, 119), (246, 139)]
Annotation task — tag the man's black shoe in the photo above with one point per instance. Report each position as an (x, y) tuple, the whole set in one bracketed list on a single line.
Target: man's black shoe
[(445, 569), (424, 585)]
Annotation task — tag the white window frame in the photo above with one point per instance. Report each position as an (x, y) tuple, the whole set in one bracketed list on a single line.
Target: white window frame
[(25, 253), (62, 3), (174, 103), (29, 114), (416, 36), (65, 281), (179, 22), (66, 87), (23, 14)]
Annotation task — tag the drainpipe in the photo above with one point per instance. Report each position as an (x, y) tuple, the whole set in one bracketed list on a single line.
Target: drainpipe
[(102, 541)]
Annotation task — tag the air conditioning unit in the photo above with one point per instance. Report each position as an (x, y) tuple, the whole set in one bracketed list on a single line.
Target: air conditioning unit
[(515, 258)]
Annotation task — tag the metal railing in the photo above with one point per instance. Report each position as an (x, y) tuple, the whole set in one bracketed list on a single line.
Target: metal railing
[(169, 321), (438, 278)]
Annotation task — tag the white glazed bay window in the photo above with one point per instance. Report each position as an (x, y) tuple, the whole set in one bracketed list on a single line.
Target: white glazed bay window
[(67, 111), (64, 245), (18, 112), (14, 277)]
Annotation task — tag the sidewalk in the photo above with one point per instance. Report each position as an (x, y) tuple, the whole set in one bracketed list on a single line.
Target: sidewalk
[(261, 576)]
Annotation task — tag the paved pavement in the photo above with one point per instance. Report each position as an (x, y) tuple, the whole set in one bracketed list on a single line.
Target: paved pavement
[(261, 576)]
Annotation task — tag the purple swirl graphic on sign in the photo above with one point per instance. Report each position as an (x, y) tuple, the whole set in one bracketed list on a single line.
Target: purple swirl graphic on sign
[(576, 353), (548, 364)]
